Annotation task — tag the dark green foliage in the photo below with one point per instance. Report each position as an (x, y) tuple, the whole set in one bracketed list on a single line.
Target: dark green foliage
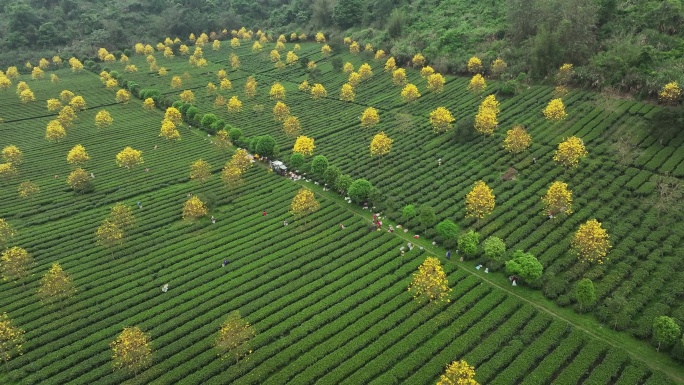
[(208, 120), (319, 164), (153, 93), (234, 134), (177, 105), (337, 63), (347, 12), (585, 294), (296, 160), (426, 216), (408, 212), (468, 242), (331, 174), (395, 24), (359, 189), (192, 112), (665, 331), (525, 266), (494, 249), (343, 183), (447, 230), (264, 146)]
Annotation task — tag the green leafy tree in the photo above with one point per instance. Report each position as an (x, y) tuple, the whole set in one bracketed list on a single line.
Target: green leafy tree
[(359, 189), (234, 134), (468, 242), (525, 266), (319, 164), (447, 231), (426, 216), (331, 174), (296, 160), (343, 183), (665, 331), (347, 13), (494, 248), (408, 212), (585, 294)]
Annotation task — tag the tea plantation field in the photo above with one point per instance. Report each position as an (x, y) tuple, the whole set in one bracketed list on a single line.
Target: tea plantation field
[(330, 305)]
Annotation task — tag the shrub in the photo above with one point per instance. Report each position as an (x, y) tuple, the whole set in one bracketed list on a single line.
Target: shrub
[(208, 120), (319, 164), (296, 160), (447, 231), (359, 189), (192, 112), (234, 134), (468, 242)]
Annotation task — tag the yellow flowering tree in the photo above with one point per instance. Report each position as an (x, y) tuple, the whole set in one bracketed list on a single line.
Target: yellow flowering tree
[(176, 82), (12, 73), (354, 79), (109, 234), (558, 199), (54, 78), (6, 232), (122, 216), (225, 84), (479, 201), (15, 264), (347, 93), (234, 61), (565, 73), (280, 111), (11, 339), (103, 119), (410, 93), (292, 126), (320, 37), (591, 242), (304, 203), (381, 144), (12, 154), (477, 84), (399, 77), (131, 350), (122, 96), (174, 115), (234, 336), (7, 170), (194, 208), (211, 88), (27, 189), (390, 65), (670, 93), (441, 120), (234, 105), (79, 180), (370, 117), (318, 91), (430, 282), (187, 96), (5, 82), (168, 130), (458, 373), (517, 140), (304, 86), (250, 87), (436, 83), (498, 67), (56, 285), (348, 68), (77, 155), (277, 91), (37, 73), (418, 60), (354, 48), (200, 171), (570, 152), (291, 57), (304, 145), (53, 105), (275, 56), (365, 71), (426, 71), (66, 116), (148, 104), (55, 131), (326, 50), (222, 140), (486, 119), (379, 54), (555, 110), (27, 96), (256, 47), (129, 158), (474, 65)]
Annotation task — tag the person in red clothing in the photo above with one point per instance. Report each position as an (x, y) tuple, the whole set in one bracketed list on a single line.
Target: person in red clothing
[(264, 213)]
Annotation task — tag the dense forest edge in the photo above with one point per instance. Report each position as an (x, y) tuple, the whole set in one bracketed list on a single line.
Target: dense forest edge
[(615, 45)]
